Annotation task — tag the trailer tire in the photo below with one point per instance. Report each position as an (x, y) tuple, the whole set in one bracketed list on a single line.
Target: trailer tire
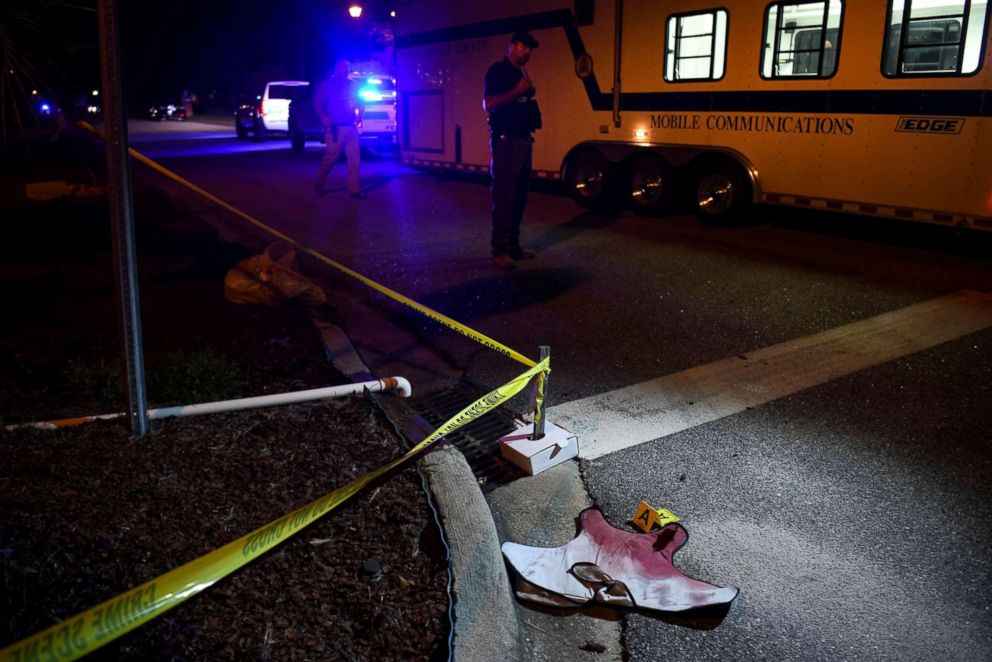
[(721, 193), (588, 177), (651, 184)]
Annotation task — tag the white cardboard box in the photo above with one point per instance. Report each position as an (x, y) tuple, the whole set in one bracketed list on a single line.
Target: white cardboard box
[(536, 455)]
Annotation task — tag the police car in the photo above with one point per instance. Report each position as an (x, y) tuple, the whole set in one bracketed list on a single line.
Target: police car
[(378, 130)]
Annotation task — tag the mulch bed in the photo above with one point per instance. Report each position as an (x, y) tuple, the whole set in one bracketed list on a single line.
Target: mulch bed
[(88, 512)]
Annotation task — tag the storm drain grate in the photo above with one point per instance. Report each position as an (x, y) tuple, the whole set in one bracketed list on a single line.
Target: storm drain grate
[(479, 440)]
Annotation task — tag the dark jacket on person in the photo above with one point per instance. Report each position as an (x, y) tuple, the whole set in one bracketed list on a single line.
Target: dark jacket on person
[(519, 118)]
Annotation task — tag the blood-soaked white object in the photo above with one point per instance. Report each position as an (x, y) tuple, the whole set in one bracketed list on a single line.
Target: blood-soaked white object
[(614, 567)]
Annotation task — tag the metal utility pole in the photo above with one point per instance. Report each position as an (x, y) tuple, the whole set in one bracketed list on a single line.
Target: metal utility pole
[(122, 215)]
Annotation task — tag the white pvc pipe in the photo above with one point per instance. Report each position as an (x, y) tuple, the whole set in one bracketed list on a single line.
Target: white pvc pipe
[(398, 384)]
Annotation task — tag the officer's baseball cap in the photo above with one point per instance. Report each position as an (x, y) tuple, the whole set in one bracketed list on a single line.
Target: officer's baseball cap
[(524, 38)]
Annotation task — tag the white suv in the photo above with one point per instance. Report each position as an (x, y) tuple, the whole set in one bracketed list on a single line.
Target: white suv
[(271, 112)]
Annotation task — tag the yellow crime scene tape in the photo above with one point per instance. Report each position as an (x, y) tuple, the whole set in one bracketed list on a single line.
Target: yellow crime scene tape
[(85, 632), (433, 314)]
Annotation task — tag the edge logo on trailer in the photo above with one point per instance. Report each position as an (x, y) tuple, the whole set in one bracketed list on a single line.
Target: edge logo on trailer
[(930, 124)]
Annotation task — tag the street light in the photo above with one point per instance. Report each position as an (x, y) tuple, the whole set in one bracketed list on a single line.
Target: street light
[(355, 10)]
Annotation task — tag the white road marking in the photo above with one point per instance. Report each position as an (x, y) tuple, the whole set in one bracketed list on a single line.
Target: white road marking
[(633, 415)]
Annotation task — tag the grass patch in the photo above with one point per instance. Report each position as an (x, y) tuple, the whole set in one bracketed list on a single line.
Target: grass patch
[(191, 378), (98, 378)]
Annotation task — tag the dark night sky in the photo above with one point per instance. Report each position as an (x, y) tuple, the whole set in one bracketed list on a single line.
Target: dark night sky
[(234, 47)]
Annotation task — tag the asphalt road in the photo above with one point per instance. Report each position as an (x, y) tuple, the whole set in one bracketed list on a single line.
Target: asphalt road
[(853, 512)]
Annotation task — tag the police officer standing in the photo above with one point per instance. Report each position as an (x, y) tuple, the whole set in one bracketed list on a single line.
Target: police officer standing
[(340, 112), (513, 118)]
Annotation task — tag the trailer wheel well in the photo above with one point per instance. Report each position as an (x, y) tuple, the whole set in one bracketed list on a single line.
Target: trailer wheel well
[(686, 164), (721, 189), (651, 182), (728, 160), (588, 176)]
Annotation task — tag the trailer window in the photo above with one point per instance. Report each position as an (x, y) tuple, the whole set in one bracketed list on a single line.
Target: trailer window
[(934, 37), (802, 39), (696, 46)]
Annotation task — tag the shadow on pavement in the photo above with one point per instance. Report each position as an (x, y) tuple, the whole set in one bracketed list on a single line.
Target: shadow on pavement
[(498, 294), (504, 292), (566, 231), (704, 618)]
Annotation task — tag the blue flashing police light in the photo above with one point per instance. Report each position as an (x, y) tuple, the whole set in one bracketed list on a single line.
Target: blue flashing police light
[(369, 94), (372, 90)]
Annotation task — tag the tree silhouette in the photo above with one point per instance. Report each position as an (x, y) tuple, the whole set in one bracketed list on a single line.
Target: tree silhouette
[(46, 48)]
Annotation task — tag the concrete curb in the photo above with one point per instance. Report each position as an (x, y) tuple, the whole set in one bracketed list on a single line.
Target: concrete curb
[(485, 623), (486, 626)]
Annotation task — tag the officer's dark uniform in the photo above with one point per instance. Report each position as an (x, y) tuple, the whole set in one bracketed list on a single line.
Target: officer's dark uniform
[(511, 131)]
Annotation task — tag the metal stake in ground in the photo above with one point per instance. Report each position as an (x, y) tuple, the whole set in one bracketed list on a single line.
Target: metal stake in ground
[(539, 415), (546, 445)]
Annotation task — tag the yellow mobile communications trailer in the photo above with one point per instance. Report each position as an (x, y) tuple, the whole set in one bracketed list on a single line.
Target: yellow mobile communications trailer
[(876, 107)]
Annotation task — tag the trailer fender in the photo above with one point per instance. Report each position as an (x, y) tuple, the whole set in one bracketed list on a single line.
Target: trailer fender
[(590, 178), (720, 189), (680, 157), (652, 183), (730, 157)]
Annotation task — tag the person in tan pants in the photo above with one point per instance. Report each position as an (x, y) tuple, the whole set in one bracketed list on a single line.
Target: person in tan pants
[(340, 112)]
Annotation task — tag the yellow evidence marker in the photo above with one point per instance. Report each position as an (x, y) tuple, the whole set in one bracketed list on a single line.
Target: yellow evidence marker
[(647, 517)]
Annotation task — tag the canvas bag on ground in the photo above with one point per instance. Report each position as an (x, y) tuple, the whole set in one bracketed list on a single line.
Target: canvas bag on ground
[(271, 278)]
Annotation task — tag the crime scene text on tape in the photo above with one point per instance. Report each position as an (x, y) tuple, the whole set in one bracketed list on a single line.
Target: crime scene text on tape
[(91, 629), (396, 296)]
